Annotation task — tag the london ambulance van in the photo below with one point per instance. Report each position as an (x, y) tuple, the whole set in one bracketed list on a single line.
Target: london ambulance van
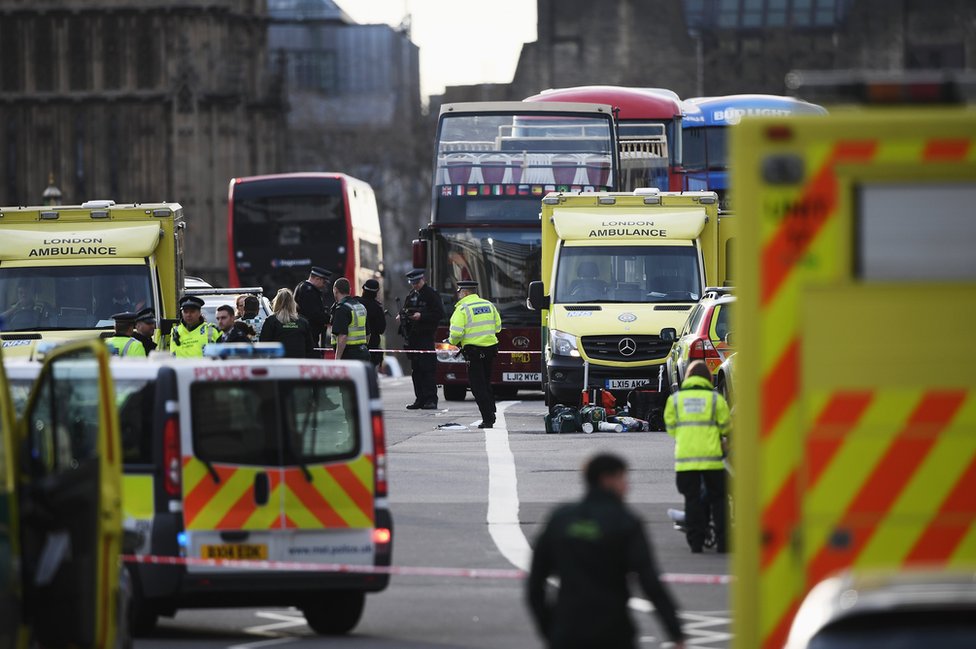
[(64, 270), (264, 459)]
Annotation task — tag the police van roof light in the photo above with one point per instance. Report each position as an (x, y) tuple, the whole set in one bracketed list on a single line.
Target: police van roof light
[(244, 350)]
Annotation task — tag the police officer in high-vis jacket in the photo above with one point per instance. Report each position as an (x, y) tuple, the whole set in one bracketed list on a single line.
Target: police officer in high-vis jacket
[(348, 324), (122, 344), (698, 418), (192, 333), (474, 328)]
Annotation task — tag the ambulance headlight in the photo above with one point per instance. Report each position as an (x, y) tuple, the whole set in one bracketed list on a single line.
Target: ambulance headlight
[(563, 344)]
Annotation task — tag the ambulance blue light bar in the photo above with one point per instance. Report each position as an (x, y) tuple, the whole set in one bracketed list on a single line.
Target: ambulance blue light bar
[(244, 350)]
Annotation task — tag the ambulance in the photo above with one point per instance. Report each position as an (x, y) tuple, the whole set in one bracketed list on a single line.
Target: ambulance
[(617, 269), (854, 438), (60, 507), (258, 459), (64, 270)]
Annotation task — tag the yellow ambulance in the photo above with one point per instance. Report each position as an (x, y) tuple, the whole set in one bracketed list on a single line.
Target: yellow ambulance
[(64, 270), (617, 269)]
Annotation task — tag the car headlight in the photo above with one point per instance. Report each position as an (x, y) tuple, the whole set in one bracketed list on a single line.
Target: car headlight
[(563, 344)]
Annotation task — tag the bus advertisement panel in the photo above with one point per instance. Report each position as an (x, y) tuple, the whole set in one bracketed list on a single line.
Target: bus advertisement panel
[(493, 163), (278, 226), (648, 128), (705, 162)]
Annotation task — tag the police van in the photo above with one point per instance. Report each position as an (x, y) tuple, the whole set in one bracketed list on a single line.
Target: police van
[(252, 459)]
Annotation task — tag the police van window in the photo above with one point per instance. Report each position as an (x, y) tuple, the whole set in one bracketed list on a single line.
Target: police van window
[(320, 420), (915, 232), (135, 399), (71, 297), (235, 423)]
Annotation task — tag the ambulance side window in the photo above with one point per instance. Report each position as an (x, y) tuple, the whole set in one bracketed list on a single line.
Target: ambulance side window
[(320, 419)]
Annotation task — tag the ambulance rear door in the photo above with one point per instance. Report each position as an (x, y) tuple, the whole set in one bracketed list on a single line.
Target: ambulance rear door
[(277, 461)]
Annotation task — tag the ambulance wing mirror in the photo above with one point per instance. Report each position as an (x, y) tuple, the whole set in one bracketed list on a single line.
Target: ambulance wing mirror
[(729, 339), (669, 334), (538, 300)]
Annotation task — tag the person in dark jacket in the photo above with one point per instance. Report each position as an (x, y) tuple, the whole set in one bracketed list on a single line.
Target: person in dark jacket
[(231, 330), (288, 328), (145, 328), (592, 546), (375, 319), (422, 312), (314, 300)]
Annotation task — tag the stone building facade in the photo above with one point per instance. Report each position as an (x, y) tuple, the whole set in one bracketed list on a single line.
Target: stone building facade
[(139, 101)]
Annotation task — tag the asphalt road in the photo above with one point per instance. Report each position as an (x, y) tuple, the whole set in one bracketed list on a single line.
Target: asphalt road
[(467, 498)]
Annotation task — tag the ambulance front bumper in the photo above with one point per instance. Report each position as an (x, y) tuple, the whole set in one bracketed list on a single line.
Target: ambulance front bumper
[(565, 375)]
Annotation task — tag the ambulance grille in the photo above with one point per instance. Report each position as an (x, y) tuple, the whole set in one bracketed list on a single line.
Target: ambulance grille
[(607, 348), (672, 307), (583, 307)]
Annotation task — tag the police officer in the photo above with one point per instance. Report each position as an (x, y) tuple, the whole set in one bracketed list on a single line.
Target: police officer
[(592, 546), (314, 302), (145, 328), (348, 324), (375, 319), (422, 312), (474, 328), (698, 418), (122, 344), (192, 333)]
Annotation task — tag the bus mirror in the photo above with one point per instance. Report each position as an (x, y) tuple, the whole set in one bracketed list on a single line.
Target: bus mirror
[(420, 253), (537, 299)]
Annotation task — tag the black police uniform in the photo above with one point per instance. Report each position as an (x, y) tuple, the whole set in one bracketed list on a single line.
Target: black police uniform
[(314, 305), (420, 335), (375, 320), (295, 336), (592, 546), (146, 315)]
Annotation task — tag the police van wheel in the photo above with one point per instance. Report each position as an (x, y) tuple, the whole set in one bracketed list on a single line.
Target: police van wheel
[(335, 613), (455, 392)]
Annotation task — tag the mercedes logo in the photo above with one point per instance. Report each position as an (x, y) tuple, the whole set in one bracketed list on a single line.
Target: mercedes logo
[(627, 346)]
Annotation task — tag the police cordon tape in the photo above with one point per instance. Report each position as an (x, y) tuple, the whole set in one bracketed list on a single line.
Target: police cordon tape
[(428, 351), (417, 571)]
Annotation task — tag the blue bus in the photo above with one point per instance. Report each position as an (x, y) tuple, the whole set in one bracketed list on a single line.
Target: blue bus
[(704, 138)]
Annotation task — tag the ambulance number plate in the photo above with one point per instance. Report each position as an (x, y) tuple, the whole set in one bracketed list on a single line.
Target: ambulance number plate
[(238, 551), (522, 377), (626, 384)]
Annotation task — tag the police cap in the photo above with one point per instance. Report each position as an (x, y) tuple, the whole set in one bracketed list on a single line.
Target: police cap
[(371, 285), (415, 275), (318, 271), (467, 284), (125, 316), (146, 315), (191, 302)]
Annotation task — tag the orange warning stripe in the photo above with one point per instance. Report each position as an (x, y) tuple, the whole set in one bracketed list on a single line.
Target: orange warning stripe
[(355, 489), (838, 418), (314, 502), (957, 513), (946, 150), (779, 256), (778, 519), (780, 387), (244, 508), (203, 492), (888, 478)]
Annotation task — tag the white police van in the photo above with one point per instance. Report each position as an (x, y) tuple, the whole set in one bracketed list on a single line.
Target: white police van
[(261, 459)]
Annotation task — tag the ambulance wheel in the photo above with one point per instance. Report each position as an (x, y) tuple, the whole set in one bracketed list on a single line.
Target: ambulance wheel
[(335, 613), (455, 392)]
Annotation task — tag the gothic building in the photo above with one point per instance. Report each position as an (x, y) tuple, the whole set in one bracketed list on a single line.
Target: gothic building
[(139, 101)]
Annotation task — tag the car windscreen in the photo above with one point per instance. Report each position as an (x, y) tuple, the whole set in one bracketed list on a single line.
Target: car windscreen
[(627, 274), (71, 297), (274, 423)]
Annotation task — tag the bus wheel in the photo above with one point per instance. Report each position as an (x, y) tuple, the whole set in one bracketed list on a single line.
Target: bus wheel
[(335, 613), (455, 392)]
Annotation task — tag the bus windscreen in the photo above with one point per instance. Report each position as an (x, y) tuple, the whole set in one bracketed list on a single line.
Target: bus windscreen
[(282, 226)]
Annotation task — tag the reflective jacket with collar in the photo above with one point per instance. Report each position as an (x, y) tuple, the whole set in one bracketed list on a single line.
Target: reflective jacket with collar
[(475, 321), (697, 417)]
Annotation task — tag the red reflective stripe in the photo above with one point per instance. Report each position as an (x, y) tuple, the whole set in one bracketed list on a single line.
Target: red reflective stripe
[(777, 638), (799, 228), (888, 479), (780, 388), (353, 488), (947, 150), (778, 519), (835, 422), (955, 518), (313, 501)]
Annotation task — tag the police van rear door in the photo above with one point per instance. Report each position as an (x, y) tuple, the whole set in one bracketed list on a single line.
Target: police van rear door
[(278, 463)]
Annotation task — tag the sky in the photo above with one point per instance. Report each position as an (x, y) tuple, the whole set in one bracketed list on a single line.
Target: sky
[(461, 42)]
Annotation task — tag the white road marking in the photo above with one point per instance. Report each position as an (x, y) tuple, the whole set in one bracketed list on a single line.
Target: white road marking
[(284, 621), (503, 501)]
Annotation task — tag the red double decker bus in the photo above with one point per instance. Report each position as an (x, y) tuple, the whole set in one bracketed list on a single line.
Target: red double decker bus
[(279, 225), (493, 163)]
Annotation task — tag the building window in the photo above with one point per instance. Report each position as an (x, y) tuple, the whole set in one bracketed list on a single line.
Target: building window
[(44, 61), (78, 58), (112, 52), (145, 53), (10, 79), (313, 70), (950, 56), (760, 14)]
